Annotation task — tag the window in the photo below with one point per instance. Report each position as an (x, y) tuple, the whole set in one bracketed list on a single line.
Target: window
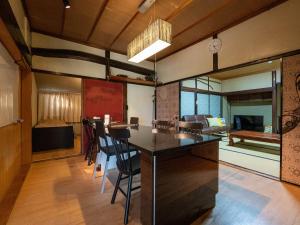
[(199, 100), (215, 105), (187, 103), (202, 103)]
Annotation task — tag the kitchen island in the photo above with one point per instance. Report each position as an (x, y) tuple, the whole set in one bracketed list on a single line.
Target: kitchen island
[(179, 175)]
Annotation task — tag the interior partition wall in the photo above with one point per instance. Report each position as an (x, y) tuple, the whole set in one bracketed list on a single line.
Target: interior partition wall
[(290, 167)]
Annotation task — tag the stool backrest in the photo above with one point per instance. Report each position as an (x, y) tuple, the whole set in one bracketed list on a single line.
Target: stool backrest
[(100, 133), (119, 138), (88, 128)]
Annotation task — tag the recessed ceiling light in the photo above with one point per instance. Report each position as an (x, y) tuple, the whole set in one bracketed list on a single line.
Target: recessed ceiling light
[(67, 4)]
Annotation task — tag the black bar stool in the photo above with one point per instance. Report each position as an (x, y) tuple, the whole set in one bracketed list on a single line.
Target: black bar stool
[(90, 134), (127, 165), (105, 149)]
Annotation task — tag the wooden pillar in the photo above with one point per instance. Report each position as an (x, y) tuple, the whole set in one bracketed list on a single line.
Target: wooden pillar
[(107, 65), (125, 106), (26, 116), (274, 103)]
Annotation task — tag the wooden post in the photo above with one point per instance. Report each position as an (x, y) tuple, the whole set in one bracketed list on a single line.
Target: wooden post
[(26, 115), (274, 103)]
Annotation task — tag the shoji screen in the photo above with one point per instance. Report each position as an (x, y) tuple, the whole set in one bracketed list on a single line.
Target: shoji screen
[(9, 88)]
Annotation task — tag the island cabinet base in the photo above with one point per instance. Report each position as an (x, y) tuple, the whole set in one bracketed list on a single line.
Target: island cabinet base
[(178, 186)]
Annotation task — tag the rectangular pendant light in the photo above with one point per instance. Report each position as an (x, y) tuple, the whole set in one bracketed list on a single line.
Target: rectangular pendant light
[(155, 38)]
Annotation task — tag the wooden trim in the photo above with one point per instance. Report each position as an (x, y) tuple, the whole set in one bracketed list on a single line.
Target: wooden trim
[(13, 28), (253, 14), (100, 13), (123, 29), (274, 103), (73, 54), (26, 115), (125, 104), (238, 66), (251, 91), (107, 66)]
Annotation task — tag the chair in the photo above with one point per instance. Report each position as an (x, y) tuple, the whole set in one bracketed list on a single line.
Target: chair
[(106, 152), (127, 165), (190, 127), (134, 120), (90, 134)]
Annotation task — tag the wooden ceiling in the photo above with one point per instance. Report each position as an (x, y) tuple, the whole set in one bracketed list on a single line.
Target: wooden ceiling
[(112, 24)]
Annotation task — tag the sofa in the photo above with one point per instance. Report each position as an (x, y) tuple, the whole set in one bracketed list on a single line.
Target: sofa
[(203, 120)]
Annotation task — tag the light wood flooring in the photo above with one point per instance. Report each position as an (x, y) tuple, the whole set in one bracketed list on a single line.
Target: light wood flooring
[(63, 192), (58, 153)]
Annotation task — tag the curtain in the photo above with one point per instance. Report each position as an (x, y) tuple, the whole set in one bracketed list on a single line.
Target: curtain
[(60, 106)]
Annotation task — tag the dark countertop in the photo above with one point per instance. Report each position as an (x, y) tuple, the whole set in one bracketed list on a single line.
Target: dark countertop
[(155, 141)]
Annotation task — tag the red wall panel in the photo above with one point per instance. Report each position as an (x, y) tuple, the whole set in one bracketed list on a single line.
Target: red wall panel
[(103, 97)]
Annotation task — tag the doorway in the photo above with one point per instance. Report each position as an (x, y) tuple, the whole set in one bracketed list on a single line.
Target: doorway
[(56, 116)]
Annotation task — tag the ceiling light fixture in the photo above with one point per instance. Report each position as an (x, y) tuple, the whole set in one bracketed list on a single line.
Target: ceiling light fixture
[(156, 37), (67, 4), (270, 61)]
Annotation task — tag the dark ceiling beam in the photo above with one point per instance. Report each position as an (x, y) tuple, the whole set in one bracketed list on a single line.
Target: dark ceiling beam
[(210, 14), (253, 14), (13, 28), (100, 13), (72, 54), (123, 29)]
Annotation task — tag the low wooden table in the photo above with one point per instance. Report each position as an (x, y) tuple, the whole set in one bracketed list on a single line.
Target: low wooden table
[(254, 135)]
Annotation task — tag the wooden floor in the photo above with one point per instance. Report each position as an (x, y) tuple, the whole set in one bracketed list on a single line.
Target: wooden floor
[(63, 192), (58, 153)]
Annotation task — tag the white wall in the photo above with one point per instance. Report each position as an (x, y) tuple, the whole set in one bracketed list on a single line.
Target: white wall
[(78, 67), (188, 62), (9, 88), (71, 66), (256, 81), (45, 41), (140, 103), (270, 33)]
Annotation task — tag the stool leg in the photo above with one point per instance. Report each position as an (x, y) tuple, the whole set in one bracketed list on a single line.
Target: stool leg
[(128, 200), (104, 175), (97, 163), (116, 189)]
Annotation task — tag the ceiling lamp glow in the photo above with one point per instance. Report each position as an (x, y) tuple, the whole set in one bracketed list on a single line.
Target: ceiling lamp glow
[(155, 38)]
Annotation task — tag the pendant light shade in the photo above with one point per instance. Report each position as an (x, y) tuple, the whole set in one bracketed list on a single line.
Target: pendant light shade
[(155, 38)]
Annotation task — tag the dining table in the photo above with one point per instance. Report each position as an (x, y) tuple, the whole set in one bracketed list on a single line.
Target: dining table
[(179, 174)]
